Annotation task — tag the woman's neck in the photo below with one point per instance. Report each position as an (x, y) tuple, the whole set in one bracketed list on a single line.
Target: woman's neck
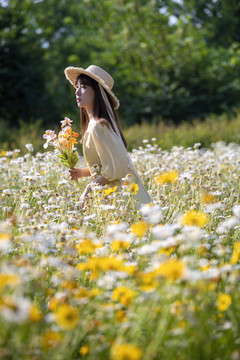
[(89, 111)]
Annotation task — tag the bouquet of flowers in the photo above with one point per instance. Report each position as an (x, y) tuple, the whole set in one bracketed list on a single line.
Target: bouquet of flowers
[(64, 142)]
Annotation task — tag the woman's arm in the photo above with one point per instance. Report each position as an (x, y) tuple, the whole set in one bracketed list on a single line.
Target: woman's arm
[(78, 173), (100, 180)]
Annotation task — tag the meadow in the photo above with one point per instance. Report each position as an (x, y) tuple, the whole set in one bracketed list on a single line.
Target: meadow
[(115, 280)]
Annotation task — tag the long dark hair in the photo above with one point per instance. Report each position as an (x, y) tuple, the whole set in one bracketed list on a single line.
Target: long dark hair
[(99, 107)]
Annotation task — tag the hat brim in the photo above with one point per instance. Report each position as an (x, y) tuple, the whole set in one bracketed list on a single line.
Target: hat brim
[(72, 74)]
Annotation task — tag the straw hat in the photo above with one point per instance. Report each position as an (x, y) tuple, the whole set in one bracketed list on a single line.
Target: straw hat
[(96, 73)]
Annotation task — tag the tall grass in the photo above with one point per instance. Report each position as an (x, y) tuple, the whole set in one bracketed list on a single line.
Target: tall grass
[(208, 131)]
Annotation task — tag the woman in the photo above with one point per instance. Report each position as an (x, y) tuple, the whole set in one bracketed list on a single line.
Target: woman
[(104, 146)]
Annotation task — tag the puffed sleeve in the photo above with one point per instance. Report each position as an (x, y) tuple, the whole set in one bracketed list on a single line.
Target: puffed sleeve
[(111, 151)]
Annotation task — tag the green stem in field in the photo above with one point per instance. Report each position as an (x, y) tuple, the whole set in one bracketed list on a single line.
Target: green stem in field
[(77, 183), (149, 236)]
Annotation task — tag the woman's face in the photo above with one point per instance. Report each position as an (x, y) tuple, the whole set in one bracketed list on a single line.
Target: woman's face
[(84, 96)]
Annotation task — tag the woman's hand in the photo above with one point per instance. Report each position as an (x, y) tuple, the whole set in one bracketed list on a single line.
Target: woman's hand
[(99, 180), (75, 173), (84, 196), (78, 173)]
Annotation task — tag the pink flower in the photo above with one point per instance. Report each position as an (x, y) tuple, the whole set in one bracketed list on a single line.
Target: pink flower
[(49, 136), (65, 122)]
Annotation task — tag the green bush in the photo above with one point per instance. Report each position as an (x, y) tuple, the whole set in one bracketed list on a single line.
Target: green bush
[(214, 128)]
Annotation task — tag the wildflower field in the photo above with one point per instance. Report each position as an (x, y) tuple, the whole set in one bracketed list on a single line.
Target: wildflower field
[(115, 281)]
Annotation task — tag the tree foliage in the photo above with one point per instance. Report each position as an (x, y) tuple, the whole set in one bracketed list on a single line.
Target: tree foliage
[(171, 60), (23, 93)]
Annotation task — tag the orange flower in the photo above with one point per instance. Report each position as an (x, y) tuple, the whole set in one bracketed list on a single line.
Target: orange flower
[(84, 350), (72, 141)]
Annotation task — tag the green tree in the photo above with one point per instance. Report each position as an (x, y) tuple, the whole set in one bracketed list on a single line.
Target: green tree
[(220, 19), (23, 93), (162, 69)]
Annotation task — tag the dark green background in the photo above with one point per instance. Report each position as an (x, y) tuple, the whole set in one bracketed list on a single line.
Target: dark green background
[(163, 69)]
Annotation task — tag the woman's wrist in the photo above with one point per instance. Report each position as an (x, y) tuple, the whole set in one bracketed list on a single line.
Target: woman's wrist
[(87, 190), (80, 173), (76, 173)]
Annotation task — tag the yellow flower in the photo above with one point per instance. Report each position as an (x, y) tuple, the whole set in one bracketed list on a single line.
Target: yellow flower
[(86, 293), (96, 264), (68, 284), (223, 302), (129, 269), (81, 293), (8, 279), (3, 153), (124, 295), (94, 292), (35, 314), (121, 315), (166, 251), (120, 245), (182, 324), (148, 282), (195, 218), (177, 308), (84, 350), (109, 190), (205, 267), (208, 198), (109, 263), (133, 188), (4, 239), (87, 247), (236, 253), (51, 339), (139, 229), (126, 352), (167, 177), (54, 302), (67, 317), (171, 269)]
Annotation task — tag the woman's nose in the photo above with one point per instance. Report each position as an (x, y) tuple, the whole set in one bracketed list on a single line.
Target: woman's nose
[(77, 92)]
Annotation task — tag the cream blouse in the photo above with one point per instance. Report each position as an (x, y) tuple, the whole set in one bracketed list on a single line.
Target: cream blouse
[(106, 154)]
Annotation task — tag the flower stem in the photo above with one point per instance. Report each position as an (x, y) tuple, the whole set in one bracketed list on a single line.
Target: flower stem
[(76, 183)]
